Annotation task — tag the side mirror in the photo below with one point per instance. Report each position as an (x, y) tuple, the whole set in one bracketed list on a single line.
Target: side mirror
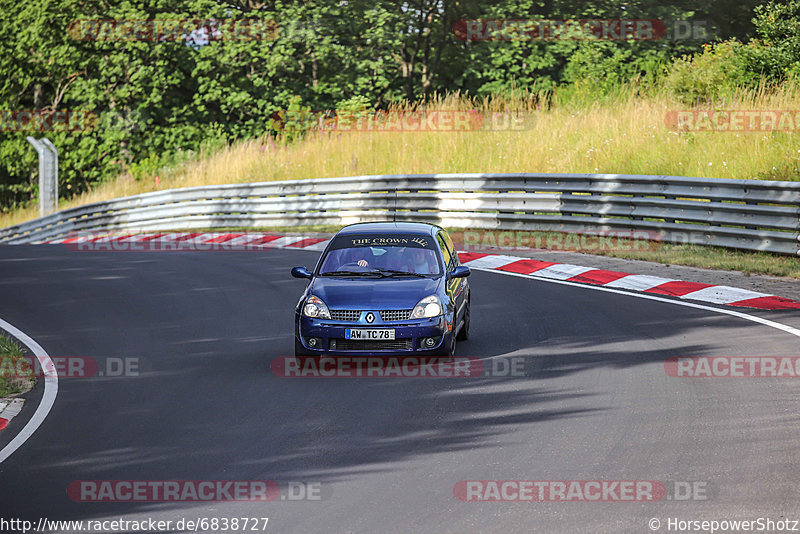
[(462, 271), (301, 272)]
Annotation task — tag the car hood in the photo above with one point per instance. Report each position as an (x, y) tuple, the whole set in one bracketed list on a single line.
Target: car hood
[(373, 293)]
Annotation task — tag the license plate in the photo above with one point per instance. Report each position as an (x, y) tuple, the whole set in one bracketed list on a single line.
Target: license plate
[(367, 334)]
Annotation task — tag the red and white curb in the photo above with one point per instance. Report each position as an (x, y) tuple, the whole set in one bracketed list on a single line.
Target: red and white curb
[(8, 409), (682, 289), (188, 241), (730, 296)]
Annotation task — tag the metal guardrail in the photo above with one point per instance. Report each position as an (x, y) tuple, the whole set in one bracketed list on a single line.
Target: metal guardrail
[(742, 214)]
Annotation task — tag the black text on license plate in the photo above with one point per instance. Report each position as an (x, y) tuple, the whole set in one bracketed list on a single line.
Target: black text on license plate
[(369, 333)]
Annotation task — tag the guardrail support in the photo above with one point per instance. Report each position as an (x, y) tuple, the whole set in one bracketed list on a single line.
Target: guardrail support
[(48, 175), (705, 211)]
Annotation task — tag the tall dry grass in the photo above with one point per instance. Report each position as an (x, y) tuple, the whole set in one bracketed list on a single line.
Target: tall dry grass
[(571, 131)]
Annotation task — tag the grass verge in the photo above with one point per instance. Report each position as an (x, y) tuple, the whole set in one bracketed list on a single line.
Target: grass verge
[(719, 258), (16, 375), (716, 258), (627, 132)]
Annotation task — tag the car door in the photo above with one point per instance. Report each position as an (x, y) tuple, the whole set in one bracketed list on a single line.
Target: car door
[(456, 288)]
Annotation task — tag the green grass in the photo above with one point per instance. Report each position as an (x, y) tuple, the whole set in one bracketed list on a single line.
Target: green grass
[(568, 132), (668, 254), (718, 258), (625, 132), (16, 375)]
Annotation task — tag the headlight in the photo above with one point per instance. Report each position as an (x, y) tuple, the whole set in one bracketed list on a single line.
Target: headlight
[(427, 307), (314, 307)]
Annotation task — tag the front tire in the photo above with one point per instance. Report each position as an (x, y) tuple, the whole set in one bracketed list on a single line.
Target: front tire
[(463, 334), (452, 350)]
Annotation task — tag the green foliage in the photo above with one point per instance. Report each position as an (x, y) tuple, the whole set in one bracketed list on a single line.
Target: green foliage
[(16, 374), (354, 104), (708, 76), (9, 347), (145, 167), (722, 68), (157, 100), (776, 56), (607, 67)]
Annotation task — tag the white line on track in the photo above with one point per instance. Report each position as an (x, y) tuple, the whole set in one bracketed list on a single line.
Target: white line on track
[(50, 390), (766, 322), (51, 377)]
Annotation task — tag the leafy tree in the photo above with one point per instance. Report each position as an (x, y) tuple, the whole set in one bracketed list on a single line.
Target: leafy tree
[(156, 97)]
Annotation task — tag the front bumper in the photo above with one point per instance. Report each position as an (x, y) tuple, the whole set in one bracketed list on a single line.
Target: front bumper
[(330, 336)]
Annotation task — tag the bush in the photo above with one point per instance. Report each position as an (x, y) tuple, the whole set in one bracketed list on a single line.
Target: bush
[(608, 67), (718, 71), (724, 67)]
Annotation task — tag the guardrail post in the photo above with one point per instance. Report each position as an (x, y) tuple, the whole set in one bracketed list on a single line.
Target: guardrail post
[(706, 211), (48, 175)]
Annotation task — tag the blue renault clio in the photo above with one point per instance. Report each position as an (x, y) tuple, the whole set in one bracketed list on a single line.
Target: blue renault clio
[(386, 288)]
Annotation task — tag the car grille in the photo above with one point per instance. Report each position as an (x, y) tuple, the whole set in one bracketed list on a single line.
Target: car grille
[(372, 344), (395, 315), (345, 315), (386, 315)]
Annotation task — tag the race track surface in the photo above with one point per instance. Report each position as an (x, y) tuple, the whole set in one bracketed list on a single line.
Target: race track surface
[(595, 402)]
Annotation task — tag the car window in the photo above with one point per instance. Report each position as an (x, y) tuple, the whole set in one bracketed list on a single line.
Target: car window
[(407, 253), (445, 251), (449, 241)]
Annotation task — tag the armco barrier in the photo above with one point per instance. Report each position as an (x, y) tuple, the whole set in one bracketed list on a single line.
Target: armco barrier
[(742, 214)]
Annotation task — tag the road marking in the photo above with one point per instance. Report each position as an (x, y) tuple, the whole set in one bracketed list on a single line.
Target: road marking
[(766, 322), (50, 390), (639, 282), (562, 271), (715, 294)]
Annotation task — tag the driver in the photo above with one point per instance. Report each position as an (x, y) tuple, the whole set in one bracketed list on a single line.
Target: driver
[(419, 261), (357, 256)]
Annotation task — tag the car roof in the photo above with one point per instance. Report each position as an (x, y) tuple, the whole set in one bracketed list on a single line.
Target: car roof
[(390, 227)]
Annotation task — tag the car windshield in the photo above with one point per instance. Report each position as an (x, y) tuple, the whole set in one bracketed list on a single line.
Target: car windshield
[(395, 255)]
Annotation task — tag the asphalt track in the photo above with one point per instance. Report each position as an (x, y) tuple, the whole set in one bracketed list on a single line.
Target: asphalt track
[(595, 402)]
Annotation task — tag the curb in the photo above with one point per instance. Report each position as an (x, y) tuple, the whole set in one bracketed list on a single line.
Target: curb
[(8, 409), (714, 294), (695, 291), (188, 241)]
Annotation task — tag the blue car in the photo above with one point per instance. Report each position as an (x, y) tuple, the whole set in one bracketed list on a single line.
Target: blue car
[(386, 288)]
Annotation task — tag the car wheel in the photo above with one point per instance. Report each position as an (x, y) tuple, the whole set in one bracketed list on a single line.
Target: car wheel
[(463, 334)]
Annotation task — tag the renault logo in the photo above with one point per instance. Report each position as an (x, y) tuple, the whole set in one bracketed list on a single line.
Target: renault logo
[(369, 317)]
